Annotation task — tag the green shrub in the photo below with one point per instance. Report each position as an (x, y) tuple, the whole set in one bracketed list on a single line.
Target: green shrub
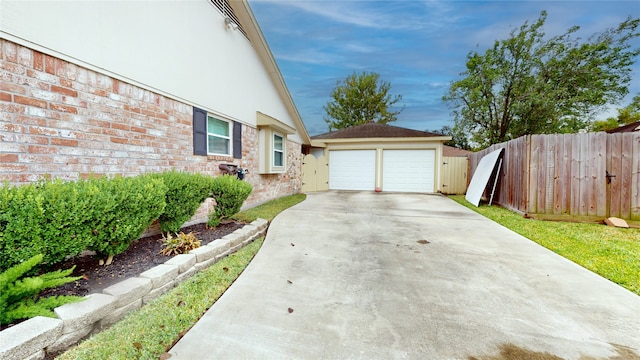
[(185, 193), (180, 244), (130, 205), (19, 296), (229, 192), (52, 218), (60, 219), (21, 213)]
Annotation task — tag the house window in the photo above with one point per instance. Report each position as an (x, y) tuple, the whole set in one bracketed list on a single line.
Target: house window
[(218, 136), (278, 150), (213, 136)]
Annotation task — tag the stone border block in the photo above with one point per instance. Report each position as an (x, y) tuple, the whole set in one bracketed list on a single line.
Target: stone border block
[(66, 340), (161, 275), (29, 337), (119, 313), (235, 238), (260, 223), (182, 261), (157, 292), (37, 356), (185, 275), (84, 313), (204, 253), (205, 264), (129, 290)]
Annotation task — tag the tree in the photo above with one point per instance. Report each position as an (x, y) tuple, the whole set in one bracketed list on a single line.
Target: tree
[(528, 85), (627, 115), (458, 139), (360, 98)]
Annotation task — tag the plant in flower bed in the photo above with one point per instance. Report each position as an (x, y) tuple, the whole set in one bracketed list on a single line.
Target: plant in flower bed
[(19, 295), (229, 192), (179, 244)]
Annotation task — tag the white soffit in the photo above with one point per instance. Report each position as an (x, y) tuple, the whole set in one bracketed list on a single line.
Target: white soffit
[(481, 176)]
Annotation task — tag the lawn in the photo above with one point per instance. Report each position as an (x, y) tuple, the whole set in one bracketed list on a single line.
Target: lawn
[(151, 331), (613, 253)]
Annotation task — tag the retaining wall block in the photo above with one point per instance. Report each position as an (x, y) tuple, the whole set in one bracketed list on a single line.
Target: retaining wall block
[(204, 253), (185, 275), (205, 264), (39, 355), (249, 229), (118, 314), (184, 262), (161, 275), (67, 340), (84, 313), (260, 223), (129, 290), (235, 239), (157, 292), (28, 338), (222, 247)]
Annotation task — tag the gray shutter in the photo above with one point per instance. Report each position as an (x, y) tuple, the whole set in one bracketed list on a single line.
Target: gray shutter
[(199, 131), (237, 140)]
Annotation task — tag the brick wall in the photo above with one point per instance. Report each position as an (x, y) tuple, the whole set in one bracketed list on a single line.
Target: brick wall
[(61, 120)]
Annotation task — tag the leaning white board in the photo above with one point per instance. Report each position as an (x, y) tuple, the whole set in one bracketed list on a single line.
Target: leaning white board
[(481, 176)]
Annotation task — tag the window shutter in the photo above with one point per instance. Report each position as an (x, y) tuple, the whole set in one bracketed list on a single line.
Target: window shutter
[(199, 131), (237, 140)]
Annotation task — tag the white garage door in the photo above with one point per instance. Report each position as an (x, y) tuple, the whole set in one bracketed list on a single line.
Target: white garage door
[(352, 169), (408, 170)]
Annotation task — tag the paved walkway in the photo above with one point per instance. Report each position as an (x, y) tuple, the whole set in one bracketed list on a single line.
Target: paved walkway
[(358, 275)]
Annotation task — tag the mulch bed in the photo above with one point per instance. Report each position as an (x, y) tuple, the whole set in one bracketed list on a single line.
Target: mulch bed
[(141, 256)]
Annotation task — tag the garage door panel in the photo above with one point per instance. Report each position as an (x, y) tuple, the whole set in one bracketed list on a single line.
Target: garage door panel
[(408, 170), (352, 169)]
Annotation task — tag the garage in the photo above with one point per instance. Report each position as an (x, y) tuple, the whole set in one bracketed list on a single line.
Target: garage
[(352, 169), (380, 157), (408, 170)]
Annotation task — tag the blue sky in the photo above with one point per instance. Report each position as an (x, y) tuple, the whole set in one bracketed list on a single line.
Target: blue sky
[(419, 46)]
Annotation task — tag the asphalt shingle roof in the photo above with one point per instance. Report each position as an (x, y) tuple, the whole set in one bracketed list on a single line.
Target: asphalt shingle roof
[(373, 130)]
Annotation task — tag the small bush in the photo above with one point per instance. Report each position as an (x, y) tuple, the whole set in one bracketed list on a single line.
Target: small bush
[(185, 193), (52, 218), (18, 297), (180, 244), (130, 205), (229, 193)]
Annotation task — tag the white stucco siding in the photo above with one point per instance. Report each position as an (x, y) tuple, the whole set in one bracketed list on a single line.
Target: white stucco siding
[(179, 48)]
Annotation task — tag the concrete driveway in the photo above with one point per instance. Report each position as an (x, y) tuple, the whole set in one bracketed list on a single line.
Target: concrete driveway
[(359, 275)]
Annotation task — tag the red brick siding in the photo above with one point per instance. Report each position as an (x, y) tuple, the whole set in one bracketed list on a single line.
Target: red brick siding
[(58, 119)]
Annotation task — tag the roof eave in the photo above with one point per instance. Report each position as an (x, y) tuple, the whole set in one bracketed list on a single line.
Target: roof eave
[(323, 142)]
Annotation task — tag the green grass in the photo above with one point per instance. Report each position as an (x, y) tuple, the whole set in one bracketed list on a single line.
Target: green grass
[(149, 332), (608, 251), (269, 210)]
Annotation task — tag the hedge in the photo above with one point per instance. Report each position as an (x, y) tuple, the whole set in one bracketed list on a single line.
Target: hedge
[(185, 193), (61, 219)]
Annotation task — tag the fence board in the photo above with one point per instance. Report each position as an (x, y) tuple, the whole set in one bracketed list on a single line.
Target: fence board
[(625, 180), (635, 178), (599, 180), (533, 175), (575, 175), (566, 174)]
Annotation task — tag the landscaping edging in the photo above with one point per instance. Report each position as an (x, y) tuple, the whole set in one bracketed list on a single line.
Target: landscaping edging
[(34, 338)]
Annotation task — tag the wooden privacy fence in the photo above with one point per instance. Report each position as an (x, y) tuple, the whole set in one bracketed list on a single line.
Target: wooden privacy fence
[(592, 174)]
